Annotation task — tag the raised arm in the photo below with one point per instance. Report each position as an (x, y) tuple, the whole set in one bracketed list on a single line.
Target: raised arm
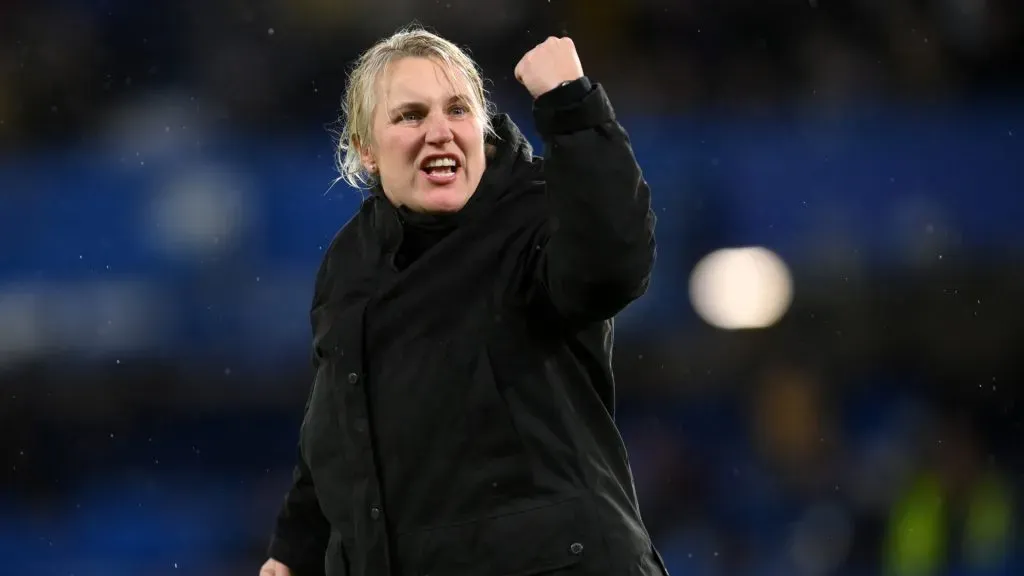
[(599, 249)]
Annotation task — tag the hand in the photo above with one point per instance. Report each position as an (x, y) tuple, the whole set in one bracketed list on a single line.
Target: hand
[(548, 65), (274, 568)]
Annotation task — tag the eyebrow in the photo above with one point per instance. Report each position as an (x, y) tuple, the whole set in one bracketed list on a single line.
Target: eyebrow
[(418, 105)]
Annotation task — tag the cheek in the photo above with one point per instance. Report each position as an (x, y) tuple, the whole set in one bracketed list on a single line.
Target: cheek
[(472, 143), (472, 134), (398, 153)]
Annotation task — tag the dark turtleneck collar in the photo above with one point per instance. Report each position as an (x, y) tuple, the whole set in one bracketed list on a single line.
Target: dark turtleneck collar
[(420, 232)]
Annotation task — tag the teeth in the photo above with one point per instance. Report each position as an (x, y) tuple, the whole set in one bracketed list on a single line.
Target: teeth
[(439, 162)]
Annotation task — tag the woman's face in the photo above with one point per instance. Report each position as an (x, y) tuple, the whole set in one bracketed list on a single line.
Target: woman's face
[(428, 145)]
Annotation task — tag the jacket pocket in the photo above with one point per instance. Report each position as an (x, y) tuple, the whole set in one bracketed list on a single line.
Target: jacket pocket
[(336, 358), (529, 542)]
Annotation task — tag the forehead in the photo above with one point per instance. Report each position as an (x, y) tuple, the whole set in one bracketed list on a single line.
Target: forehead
[(421, 80)]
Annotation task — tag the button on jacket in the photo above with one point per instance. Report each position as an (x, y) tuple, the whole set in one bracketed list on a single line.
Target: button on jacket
[(461, 420)]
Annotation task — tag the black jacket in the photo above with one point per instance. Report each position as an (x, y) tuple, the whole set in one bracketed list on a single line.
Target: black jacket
[(461, 420)]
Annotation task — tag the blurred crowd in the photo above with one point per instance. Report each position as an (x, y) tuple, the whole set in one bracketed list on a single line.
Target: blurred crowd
[(872, 432), (272, 64), (800, 474)]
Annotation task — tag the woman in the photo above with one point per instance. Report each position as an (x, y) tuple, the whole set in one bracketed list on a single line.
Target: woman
[(461, 418)]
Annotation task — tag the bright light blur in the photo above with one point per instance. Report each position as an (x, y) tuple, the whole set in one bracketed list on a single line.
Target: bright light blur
[(741, 288)]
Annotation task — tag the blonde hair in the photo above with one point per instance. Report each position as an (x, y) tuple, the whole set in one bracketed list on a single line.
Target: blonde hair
[(360, 100)]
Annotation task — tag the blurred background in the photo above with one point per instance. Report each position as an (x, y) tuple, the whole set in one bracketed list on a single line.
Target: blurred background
[(823, 379)]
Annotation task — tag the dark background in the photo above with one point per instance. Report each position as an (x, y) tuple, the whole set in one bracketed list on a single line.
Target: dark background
[(165, 198)]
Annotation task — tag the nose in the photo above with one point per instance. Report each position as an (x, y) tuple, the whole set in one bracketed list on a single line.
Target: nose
[(439, 130)]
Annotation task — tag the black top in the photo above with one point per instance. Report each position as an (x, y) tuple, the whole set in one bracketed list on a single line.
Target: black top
[(461, 421)]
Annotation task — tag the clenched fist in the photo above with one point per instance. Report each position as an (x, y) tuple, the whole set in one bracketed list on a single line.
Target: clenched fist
[(274, 568), (548, 65)]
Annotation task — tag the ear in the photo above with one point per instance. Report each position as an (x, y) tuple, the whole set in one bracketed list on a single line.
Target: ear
[(366, 156)]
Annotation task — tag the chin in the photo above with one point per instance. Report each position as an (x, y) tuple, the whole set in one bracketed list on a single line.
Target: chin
[(444, 200)]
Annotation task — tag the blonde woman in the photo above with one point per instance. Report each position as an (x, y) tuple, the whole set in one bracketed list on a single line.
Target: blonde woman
[(461, 418)]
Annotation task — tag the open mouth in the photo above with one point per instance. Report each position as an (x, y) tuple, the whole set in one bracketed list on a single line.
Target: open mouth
[(440, 166)]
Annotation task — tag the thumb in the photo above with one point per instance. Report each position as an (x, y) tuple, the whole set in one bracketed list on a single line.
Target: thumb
[(520, 70)]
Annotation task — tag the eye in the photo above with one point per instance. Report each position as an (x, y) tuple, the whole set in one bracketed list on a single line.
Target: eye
[(410, 116), (458, 110)]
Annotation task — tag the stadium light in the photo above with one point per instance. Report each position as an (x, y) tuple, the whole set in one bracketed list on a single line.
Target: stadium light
[(741, 288)]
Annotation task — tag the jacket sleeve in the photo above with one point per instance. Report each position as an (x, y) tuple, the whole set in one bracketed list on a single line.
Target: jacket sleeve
[(599, 249), (302, 531)]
